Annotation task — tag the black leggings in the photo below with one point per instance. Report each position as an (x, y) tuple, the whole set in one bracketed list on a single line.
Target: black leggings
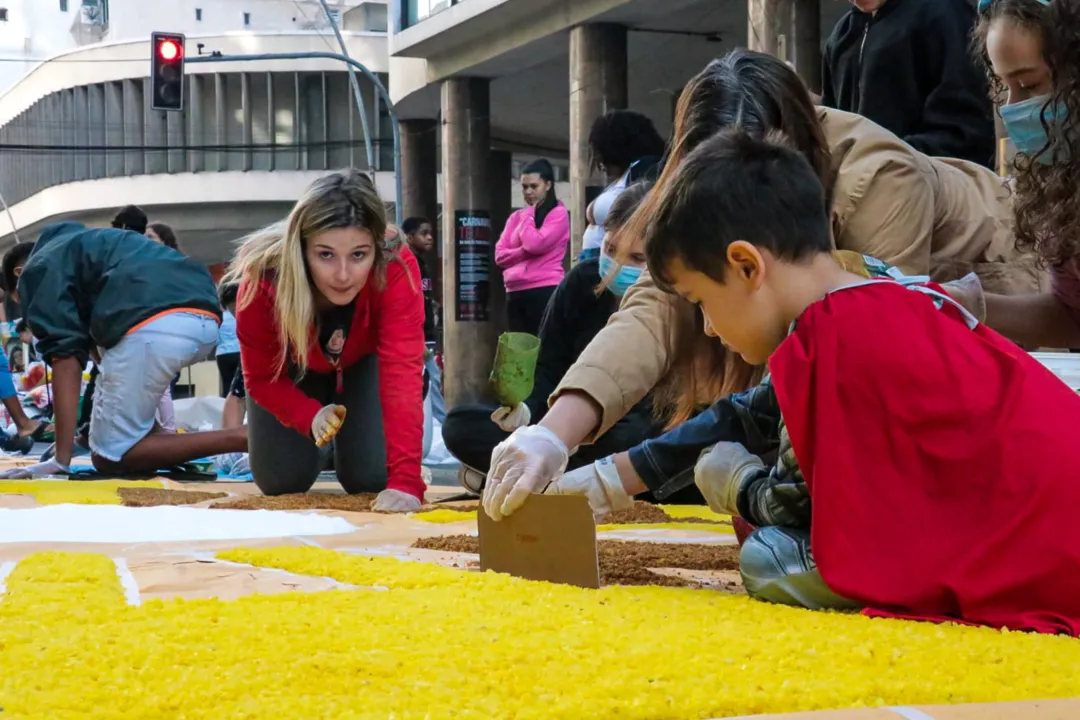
[(284, 461), (227, 365), (525, 309), (470, 436)]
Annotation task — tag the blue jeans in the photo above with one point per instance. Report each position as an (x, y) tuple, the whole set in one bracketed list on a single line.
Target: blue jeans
[(438, 404), (137, 371), (7, 382)]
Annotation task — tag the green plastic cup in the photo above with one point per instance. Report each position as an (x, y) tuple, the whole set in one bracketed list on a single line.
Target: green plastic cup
[(515, 368)]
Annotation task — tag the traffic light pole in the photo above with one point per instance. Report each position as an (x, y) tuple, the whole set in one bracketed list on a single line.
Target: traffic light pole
[(212, 58), (352, 82)]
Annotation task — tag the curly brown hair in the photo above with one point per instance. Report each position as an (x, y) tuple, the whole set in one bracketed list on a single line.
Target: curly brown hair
[(1047, 195)]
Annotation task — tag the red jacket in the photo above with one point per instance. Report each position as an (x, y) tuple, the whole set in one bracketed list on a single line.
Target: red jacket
[(388, 321)]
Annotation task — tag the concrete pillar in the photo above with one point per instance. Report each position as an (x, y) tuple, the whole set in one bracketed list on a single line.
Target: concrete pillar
[(597, 85), (769, 29), (469, 335), (502, 201), (134, 135), (419, 171), (419, 182), (806, 28), (196, 123), (114, 129)]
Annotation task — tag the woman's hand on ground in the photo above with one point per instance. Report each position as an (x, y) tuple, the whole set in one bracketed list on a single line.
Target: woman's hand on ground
[(719, 474), (526, 462), (599, 482), (327, 423), (40, 470), (396, 501)]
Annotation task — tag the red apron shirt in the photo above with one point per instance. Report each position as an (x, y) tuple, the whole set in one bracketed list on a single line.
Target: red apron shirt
[(941, 459)]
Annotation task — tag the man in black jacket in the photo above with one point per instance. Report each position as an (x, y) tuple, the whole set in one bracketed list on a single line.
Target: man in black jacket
[(144, 312), (905, 65)]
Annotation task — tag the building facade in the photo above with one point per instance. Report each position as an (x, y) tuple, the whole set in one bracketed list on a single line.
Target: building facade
[(493, 77)]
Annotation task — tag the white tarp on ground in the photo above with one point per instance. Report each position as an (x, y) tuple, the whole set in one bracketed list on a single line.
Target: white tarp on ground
[(119, 524)]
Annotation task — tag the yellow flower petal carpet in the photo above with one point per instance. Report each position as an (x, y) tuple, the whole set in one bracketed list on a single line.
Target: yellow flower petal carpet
[(420, 641), (677, 512), (55, 492)]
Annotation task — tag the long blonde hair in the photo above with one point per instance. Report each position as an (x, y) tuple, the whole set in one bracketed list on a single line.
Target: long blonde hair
[(342, 199)]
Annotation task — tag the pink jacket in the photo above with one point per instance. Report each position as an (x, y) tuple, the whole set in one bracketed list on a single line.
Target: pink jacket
[(531, 257)]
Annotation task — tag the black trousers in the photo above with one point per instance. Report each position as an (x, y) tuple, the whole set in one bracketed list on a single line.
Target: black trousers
[(227, 365), (470, 436), (525, 309), (284, 461)]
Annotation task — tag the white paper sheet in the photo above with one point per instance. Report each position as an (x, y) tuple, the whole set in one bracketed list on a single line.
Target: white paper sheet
[(118, 524)]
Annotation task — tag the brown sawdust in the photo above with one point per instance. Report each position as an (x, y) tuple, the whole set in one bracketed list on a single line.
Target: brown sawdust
[(303, 501), (639, 513), (643, 513), (154, 497), (625, 563), (362, 502)]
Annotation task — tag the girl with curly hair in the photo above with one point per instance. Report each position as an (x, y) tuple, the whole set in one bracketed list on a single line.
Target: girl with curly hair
[(1031, 50)]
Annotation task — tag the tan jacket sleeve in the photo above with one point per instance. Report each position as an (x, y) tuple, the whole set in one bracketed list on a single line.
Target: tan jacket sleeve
[(627, 358), (891, 219)]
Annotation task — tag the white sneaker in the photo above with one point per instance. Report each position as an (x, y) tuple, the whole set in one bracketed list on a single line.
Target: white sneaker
[(396, 501)]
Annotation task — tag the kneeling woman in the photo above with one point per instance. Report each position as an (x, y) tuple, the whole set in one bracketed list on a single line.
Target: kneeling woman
[(330, 319)]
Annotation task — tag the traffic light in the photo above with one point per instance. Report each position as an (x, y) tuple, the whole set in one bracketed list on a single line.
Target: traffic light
[(167, 71)]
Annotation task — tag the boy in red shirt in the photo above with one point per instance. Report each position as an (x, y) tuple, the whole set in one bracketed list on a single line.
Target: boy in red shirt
[(939, 459)]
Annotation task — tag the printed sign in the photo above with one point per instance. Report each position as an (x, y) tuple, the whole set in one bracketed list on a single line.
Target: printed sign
[(472, 265)]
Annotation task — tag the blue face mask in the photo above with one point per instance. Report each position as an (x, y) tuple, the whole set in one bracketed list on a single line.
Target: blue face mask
[(1023, 123), (627, 275)]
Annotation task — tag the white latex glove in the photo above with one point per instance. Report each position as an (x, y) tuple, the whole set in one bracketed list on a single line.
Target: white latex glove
[(40, 470), (526, 462), (510, 419), (968, 291), (719, 474), (600, 482), (327, 423), (396, 501)]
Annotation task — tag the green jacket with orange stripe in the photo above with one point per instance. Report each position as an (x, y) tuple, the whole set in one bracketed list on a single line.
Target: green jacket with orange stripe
[(83, 287)]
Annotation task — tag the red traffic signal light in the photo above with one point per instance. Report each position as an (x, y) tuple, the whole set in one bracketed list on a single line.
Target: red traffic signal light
[(169, 50), (167, 72)]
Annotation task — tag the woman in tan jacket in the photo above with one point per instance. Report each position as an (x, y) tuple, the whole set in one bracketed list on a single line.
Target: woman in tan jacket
[(923, 215)]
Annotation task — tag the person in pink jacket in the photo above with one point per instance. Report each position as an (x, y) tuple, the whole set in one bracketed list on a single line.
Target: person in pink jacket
[(532, 247)]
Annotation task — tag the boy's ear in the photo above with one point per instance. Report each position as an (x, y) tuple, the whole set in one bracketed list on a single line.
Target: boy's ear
[(747, 263), (18, 270)]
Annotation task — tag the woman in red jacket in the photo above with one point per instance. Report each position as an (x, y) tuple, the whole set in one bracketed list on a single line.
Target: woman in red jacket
[(330, 319)]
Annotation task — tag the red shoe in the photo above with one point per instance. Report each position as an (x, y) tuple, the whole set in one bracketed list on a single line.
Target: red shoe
[(742, 529)]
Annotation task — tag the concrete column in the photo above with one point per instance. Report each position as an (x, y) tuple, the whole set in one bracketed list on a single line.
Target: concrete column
[(419, 171), (469, 335), (98, 136), (769, 29), (502, 201), (597, 85), (195, 123), (246, 118), (419, 181), (114, 129), (806, 28), (221, 138)]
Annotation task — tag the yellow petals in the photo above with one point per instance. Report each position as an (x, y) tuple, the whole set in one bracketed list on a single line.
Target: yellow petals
[(443, 516), (56, 492), (421, 641), (693, 527)]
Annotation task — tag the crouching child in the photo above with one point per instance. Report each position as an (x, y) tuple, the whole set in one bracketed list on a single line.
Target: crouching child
[(926, 465), (145, 312)]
